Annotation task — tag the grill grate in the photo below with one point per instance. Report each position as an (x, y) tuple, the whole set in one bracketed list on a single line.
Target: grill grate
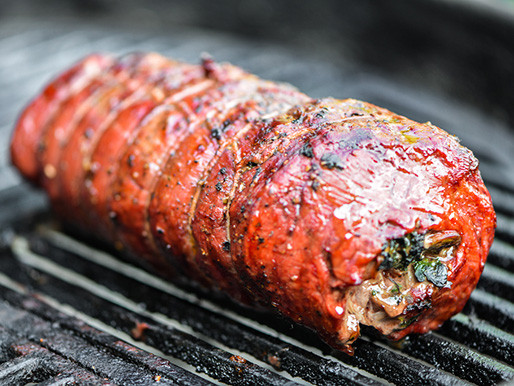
[(72, 311)]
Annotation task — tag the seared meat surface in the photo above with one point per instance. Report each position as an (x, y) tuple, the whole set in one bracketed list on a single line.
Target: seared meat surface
[(334, 212)]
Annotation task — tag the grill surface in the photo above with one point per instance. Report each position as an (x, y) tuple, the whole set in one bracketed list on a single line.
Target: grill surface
[(71, 311)]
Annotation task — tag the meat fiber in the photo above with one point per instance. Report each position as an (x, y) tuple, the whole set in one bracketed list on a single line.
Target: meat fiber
[(334, 212)]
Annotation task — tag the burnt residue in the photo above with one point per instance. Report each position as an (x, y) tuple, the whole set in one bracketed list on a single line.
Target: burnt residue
[(130, 160), (331, 161), (357, 137), (307, 151), (216, 133)]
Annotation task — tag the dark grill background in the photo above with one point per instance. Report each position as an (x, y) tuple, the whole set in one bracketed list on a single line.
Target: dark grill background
[(72, 313)]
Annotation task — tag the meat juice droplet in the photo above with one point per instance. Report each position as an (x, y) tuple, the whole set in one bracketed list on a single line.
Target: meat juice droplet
[(339, 212)]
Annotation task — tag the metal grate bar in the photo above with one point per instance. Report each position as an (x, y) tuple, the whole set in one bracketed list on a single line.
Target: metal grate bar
[(233, 331), (498, 281), (61, 380), (102, 363), (371, 357), (505, 228), (37, 364), (386, 364), (166, 336), (23, 370), (458, 359), (481, 336), (499, 312), (502, 255), (59, 329), (503, 200)]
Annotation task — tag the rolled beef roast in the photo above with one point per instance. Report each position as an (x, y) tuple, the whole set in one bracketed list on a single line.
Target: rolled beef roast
[(333, 212)]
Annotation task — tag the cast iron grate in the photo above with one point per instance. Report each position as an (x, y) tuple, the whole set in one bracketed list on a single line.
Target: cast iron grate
[(72, 311)]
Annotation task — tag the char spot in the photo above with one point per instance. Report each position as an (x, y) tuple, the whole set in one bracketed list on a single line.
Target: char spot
[(331, 161), (307, 151), (226, 246), (209, 67), (216, 133), (130, 160), (322, 112), (356, 139), (88, 133)]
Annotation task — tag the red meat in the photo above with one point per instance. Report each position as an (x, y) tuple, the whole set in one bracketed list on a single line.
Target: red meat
[(334, 212)]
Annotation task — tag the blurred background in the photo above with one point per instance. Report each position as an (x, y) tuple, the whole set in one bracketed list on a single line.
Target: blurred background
[(450, 62), (447, 61)]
